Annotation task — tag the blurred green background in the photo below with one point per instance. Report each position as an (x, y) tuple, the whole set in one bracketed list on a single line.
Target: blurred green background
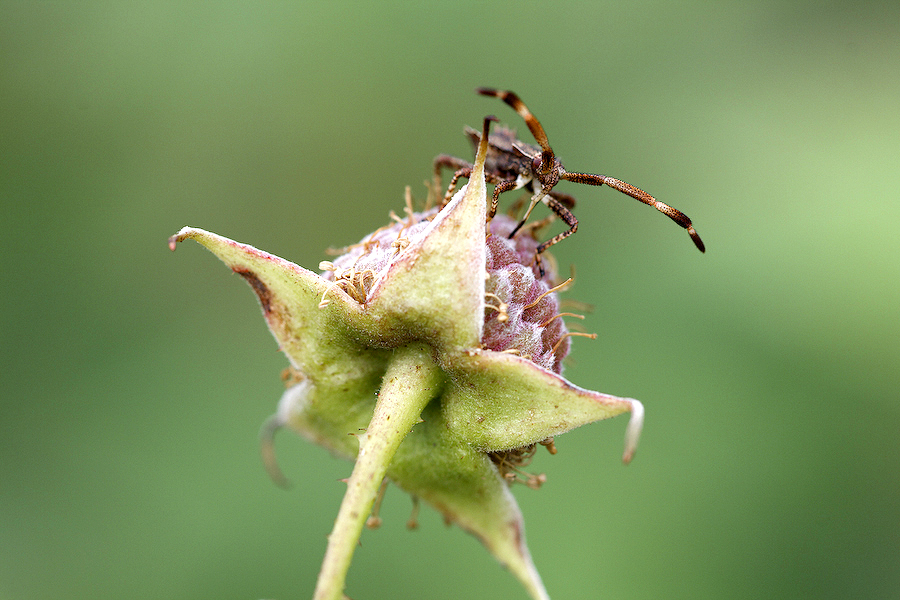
[(134, 380)]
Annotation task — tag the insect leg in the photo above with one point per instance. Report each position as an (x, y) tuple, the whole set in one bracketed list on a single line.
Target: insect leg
[(566, 216), (445, 161), (465, 172), (534, 201), (502, 185), (639, 194)]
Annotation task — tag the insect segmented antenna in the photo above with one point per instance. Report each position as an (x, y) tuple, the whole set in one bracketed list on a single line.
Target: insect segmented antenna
[(534, 126), (642, 196)]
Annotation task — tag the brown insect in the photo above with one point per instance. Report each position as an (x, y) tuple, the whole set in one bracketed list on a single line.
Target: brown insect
[(512, 164)]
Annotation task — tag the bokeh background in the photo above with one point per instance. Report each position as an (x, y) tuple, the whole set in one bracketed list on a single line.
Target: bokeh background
[(134, 380)]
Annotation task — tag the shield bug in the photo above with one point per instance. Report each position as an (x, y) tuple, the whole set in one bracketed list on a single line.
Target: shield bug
[(512, 164)]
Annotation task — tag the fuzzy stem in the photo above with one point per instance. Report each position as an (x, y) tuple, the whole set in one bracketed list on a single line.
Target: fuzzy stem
[(411, 381)]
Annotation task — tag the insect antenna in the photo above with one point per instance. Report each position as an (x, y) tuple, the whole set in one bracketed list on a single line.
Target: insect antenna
[(547, 157), (640, 195)]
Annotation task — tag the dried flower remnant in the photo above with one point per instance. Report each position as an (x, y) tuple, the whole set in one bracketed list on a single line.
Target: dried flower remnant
[(445, 350)]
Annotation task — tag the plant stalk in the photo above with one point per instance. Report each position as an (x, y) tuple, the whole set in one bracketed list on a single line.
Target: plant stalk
[(411, 381)]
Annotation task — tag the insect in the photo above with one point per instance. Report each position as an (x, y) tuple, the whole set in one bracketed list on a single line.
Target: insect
[(512, 164)]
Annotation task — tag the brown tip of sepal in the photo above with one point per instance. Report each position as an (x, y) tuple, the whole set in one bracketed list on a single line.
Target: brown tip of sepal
[(485, 131), (173, 241), (183, 234)]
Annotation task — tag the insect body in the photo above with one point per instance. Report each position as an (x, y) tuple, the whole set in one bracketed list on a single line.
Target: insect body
[(512, 164)]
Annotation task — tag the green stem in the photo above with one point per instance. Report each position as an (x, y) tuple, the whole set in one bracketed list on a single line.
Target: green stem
[(411, 381)]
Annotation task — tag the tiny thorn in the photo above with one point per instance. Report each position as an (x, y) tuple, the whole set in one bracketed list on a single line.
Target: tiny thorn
[(362, 438)]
